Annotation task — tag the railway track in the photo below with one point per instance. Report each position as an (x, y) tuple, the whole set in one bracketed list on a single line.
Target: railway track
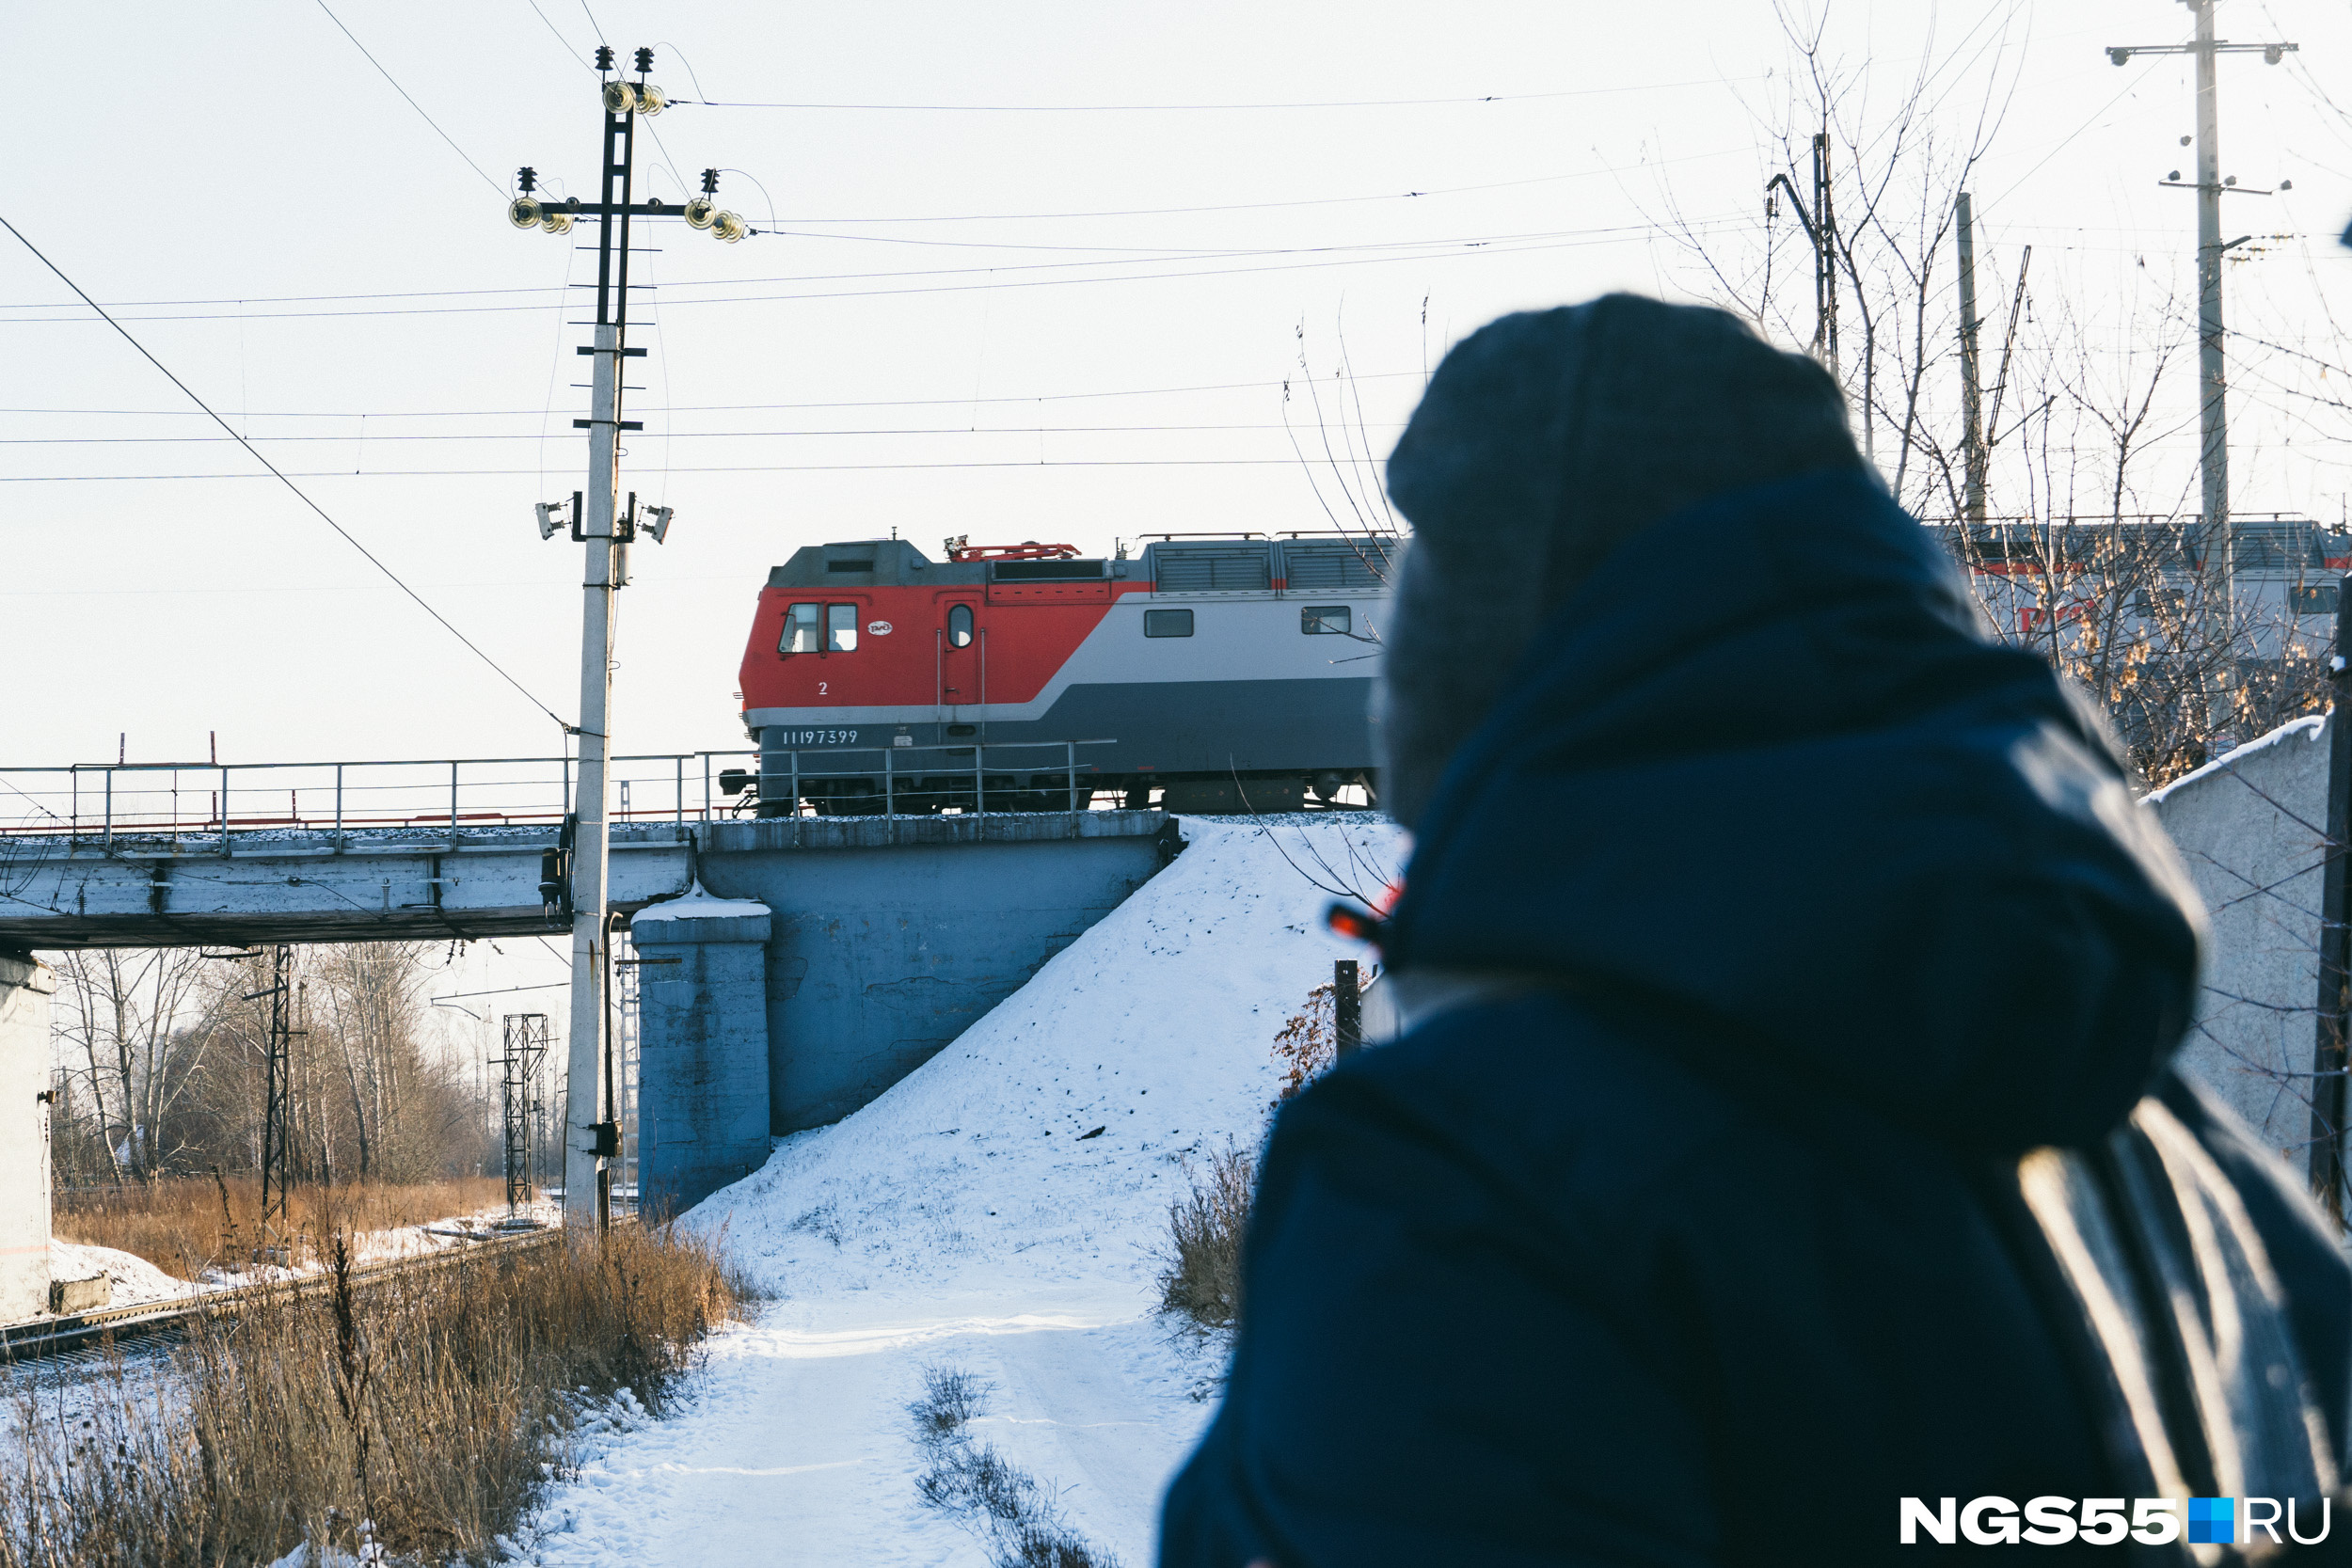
[(80, 1336)]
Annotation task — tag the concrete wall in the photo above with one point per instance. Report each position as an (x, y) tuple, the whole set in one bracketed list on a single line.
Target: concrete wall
[(26, 987), (701, 1108), (2251, 827), (883, 952)]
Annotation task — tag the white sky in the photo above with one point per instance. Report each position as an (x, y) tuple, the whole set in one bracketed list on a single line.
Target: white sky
[(829, 382)]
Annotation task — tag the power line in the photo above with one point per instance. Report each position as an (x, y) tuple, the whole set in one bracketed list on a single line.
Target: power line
[(1215, 108), (732, 407), (724, 469), (282, 479), (559, 36), (412, 102), (671, 434), (1501, 245)]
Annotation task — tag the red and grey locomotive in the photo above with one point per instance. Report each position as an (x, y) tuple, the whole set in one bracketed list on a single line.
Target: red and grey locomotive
[(1210, 673)]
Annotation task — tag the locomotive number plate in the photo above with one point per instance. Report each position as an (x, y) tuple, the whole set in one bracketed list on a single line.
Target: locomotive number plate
[(818, 737)]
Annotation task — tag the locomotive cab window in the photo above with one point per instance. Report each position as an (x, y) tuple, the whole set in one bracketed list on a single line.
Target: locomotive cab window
[(1325, 620), (800, 630), (1168, 622), (960, 626), (841, 628)]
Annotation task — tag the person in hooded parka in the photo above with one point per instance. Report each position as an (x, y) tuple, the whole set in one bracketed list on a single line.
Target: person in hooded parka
[(1784, 1126)]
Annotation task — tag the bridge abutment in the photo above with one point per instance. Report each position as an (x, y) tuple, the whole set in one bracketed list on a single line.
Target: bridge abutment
[(703, 1060), (26, 987)]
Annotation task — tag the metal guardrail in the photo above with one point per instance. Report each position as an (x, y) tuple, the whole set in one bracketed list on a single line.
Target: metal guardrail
[(42, 1336), (99, 803), (932, 777), (187, 804)]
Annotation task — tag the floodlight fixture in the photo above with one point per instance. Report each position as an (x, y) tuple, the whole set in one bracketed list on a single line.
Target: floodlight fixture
[(2119, 57)]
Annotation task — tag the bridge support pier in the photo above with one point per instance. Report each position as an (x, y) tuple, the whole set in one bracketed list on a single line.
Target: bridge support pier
[(702, 1109), (26, 987)]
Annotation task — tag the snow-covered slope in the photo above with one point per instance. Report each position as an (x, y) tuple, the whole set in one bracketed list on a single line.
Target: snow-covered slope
[(967, 1219), (1042, 1148)]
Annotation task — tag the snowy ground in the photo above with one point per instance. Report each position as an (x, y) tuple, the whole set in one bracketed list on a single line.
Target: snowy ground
[(137, 1281), (1000, 1211)]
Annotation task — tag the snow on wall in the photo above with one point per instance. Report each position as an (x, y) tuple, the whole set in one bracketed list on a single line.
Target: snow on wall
[(2250, 826), (1045, 1145), (26, 987)]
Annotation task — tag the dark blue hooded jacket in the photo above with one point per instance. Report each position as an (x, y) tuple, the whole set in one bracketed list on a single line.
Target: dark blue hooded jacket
[(1816, 906)]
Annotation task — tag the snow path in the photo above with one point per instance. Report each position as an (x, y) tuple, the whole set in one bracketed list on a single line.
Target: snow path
[(967, 1219), (796, 1448)]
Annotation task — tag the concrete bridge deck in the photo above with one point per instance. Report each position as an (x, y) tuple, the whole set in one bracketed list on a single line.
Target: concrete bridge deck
[(375, 884)]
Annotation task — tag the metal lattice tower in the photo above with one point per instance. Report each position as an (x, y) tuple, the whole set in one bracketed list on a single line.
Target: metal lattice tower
[(524, 1058), (277, 1094)]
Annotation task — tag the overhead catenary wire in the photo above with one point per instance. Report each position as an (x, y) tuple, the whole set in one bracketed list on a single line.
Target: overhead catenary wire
[(719, 469), (299, 494), (1211, 108), (1501, 245), (725, 407), (412, 102)]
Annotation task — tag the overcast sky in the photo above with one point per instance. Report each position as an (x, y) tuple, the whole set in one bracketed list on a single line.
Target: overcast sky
[(1000, 299)]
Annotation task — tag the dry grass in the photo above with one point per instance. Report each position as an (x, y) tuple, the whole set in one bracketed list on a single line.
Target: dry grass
[(185, 1224), (1200, 1272), (419, 1417), (1011, 1512)]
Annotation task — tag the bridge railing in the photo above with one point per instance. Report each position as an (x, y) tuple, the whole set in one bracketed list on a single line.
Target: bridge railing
[(187, 804), (191, 806)]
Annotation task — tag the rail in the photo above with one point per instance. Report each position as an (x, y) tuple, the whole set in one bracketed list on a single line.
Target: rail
[(43, 1337), (191, 804)]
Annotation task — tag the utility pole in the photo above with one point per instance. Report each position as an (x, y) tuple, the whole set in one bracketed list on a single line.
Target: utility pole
[(591, 1131), (2218, 544), (1971, 393), (1820, 230)]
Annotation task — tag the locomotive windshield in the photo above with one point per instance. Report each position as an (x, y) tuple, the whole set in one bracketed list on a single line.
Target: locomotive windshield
[(800, 630)]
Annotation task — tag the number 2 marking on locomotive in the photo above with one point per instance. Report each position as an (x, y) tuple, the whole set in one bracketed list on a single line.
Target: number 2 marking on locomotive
[(820, 689)]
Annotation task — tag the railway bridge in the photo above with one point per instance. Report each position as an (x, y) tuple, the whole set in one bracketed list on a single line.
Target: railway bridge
[(790, 967)]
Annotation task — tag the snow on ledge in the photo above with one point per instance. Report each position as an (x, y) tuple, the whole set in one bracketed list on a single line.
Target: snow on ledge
[(695, 904), (2310, 727)]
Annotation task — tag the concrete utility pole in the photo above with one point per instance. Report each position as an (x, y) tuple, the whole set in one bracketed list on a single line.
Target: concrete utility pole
[(1971, 391), (2219, 545), (592, 1130)]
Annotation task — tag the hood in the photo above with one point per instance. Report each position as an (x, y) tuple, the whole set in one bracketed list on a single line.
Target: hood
[(1764, 769)]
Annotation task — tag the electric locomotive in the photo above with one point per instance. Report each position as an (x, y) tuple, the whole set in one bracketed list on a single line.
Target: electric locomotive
[(1207, 673)]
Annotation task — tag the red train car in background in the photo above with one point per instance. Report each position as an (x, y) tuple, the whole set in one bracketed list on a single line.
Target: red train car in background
[(1210, 673)]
